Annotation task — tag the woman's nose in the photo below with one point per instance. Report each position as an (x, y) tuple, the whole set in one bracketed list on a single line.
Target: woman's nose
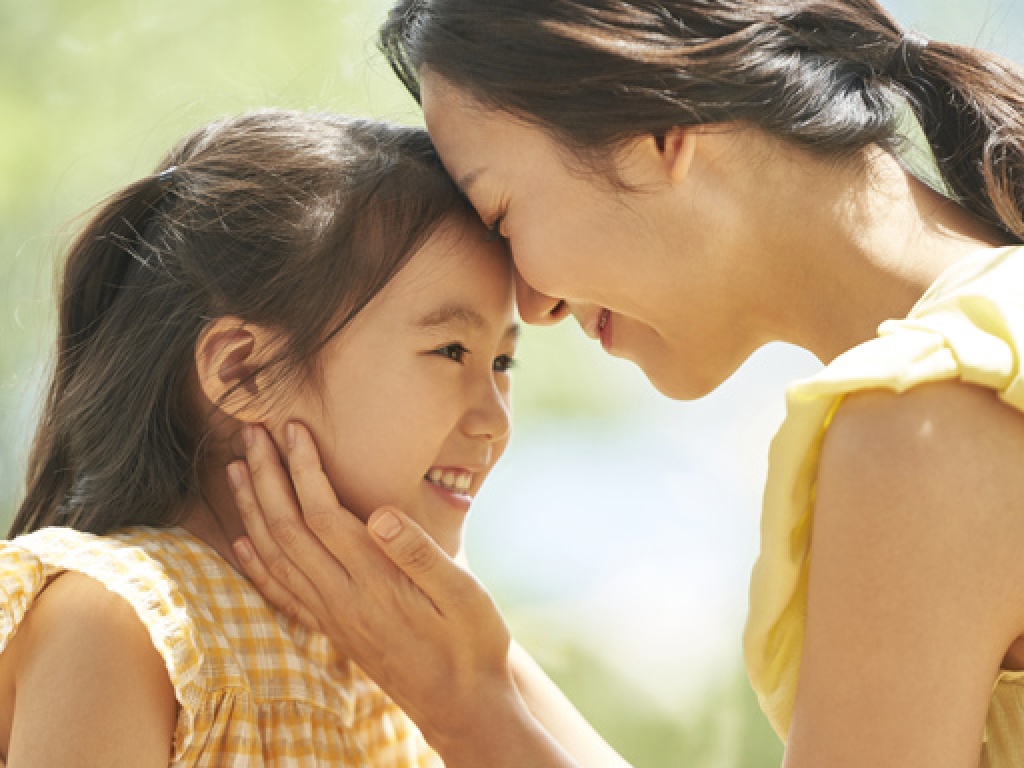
[(538, 308)]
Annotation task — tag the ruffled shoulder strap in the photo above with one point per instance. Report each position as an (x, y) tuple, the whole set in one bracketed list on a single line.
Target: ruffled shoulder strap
[(969, 326), (28, 562)]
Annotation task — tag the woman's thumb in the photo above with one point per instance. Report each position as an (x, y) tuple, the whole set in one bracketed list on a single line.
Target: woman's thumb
[(410, 548)]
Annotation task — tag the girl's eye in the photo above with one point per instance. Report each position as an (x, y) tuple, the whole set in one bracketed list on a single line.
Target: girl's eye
[(504, 363), (455, 352), (494, 231)]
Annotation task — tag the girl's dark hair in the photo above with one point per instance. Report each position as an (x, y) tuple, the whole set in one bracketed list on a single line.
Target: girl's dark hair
[(821, 73), (288, 220)]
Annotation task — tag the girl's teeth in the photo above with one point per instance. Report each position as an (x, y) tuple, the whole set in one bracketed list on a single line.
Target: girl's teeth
[(451, 481)]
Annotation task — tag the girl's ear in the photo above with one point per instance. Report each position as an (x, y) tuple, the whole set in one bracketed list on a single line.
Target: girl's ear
[(229, 355)]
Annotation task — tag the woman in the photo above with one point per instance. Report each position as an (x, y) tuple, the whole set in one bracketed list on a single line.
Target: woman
[(691, 179)]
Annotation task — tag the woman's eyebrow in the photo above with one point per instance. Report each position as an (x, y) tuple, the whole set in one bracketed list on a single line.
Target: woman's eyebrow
[(466, 181)]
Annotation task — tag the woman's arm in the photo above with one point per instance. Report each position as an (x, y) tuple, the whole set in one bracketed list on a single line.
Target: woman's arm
[(90, 688), (558, 715), (447, 658), (914, 585)]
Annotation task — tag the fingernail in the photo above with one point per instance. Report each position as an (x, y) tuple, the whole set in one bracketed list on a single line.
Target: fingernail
[(289, 434), (235, 475), (248, 435), (386, 525), (243, 549)]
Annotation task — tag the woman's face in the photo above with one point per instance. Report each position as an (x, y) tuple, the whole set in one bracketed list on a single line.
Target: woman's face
[(412, 407), (636, 265)]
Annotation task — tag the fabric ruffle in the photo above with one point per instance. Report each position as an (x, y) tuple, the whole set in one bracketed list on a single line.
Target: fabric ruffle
[(969, 326), (255, 689)]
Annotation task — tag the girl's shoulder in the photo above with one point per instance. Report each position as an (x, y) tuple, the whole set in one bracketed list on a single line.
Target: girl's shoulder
[(80, 665), (136, 569)]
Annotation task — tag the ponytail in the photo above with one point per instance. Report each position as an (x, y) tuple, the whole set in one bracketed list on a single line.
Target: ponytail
[(81, 456), (287, 220), (971, 106)]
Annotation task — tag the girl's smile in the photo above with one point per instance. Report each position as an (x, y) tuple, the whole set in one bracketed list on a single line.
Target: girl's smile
[(415, 405)]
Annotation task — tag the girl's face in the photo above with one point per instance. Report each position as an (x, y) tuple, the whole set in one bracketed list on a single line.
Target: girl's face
[(413, 408), (636, 266)]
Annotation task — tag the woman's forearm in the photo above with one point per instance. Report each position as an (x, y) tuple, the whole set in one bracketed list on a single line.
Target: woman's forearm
[(503, 734), (559, 718)]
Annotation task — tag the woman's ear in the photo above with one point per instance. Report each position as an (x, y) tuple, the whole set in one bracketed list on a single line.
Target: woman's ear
[(675, 149), (659, 158), (229, 356)]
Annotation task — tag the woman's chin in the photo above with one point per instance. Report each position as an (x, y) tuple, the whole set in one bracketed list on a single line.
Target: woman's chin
[(679, 386)]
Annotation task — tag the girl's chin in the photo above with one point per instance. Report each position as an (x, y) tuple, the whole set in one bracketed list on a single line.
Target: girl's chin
[(451, 543)]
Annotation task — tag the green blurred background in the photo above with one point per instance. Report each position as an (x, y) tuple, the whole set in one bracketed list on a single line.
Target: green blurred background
[(618, 534)]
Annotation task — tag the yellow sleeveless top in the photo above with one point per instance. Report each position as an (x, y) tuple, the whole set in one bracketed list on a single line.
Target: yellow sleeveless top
[(968, 326), (254, 689)]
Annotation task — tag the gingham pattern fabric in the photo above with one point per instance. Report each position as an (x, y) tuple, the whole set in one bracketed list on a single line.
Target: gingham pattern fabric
[(255, 689)]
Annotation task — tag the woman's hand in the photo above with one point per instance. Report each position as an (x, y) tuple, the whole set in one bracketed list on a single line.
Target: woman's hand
[(386, 594), (422, 627)]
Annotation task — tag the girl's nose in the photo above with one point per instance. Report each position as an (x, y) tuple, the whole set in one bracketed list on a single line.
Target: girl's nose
[(538, 308), (490, 417)]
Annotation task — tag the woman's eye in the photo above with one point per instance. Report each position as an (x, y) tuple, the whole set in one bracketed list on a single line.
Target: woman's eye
[(504, 363), (494, 231), (455, 352)]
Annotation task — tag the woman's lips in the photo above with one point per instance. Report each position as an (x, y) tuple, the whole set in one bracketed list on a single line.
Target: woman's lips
[(604, 328)]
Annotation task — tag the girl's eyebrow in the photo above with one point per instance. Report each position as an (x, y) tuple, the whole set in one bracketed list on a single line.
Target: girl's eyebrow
[(460, 314), (452, 314)]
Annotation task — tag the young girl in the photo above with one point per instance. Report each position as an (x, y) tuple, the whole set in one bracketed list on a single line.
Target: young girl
[(691, 179), (278, 265)]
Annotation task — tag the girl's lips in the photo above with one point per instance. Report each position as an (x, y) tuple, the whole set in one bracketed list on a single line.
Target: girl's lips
[(461, 501), (453, 485)]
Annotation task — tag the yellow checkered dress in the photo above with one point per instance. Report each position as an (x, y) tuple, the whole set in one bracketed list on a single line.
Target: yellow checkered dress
[(255, 689)]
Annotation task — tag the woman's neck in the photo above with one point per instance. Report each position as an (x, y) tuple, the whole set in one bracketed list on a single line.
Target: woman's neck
[(857, 245)]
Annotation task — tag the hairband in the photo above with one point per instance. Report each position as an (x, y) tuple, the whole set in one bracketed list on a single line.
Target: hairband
[(166, 177), (906, 59)]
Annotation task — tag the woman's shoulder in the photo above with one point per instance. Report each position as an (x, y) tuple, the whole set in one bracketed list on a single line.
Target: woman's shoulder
[(915, 566), (924, 418), (893, 431), (946, 444), (934, 466)]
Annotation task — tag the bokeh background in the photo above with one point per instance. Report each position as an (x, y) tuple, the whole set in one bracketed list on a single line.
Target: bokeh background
[(618, 534)]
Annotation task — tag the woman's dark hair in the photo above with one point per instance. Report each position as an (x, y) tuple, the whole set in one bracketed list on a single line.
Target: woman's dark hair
[(288, 220), (821, 73)]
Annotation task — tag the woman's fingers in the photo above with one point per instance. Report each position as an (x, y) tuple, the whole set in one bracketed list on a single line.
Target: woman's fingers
[(450, 588), (264, 529), (393, 588), (271, 589), (337, 530)]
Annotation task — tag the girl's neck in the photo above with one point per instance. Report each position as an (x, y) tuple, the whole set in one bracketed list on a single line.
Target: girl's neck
[(213, 517)]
